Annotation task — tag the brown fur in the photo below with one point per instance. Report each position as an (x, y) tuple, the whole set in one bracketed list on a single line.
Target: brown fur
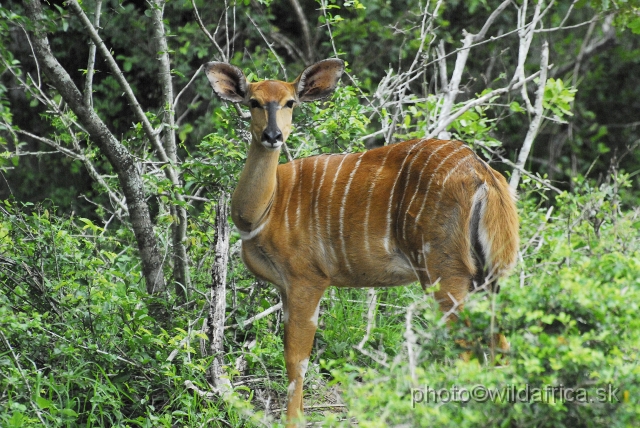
[(381, 218)]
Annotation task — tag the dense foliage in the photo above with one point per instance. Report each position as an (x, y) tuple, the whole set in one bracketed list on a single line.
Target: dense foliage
[(81, 340)]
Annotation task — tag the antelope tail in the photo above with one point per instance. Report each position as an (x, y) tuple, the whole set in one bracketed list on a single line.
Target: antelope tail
[(493, 229)]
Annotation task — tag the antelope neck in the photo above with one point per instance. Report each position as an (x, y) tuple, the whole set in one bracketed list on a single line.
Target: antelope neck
[(256, 187)]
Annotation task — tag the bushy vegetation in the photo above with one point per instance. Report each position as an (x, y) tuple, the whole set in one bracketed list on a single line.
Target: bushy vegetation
[(81, 349)]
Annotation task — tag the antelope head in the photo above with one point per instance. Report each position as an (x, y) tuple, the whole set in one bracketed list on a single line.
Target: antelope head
[(272, 101)]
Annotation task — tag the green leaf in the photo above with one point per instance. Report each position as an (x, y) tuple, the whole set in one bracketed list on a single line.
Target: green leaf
[(69, 412), (634, 25), (43, 403), (515, 107)]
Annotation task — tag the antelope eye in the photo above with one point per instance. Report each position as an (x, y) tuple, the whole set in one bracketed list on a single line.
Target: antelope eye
[(254, 104), (290, 104)]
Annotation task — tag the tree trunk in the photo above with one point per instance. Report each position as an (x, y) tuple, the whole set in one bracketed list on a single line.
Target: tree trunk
[(117, 155), (218, 295), (178, 212)]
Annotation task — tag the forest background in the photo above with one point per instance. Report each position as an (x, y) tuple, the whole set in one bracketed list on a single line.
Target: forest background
[(123, 299)]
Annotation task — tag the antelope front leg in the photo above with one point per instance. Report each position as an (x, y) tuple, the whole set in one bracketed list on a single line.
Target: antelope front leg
[(301, 307)]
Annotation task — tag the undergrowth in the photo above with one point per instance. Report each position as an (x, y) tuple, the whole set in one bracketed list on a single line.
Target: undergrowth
[(79, 348)]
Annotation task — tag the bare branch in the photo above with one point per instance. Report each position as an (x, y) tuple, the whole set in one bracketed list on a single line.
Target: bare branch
[(592, 49), (306, 34), (224, 57), (476, 102), (410, 337), (117, 73), (525, 32), (88, 83), (537, 118), (451, 92), (270, 46), (371, 304), (179, 214), (246, 323), (193, 78)]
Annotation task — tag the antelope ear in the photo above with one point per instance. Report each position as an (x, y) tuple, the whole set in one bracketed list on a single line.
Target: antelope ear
[(319, 80), (227, 81)]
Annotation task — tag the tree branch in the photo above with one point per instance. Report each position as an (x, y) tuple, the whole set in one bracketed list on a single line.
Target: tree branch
[(88, 83), (461, 60), (306, 34), (179, 214), (117, 155), (592, 49), (537, 118), (117, 73)]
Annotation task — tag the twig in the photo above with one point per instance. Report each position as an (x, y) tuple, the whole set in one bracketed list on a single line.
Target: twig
[(537, 119), (477, 101), (323, 6), (88, 83), (206, 32), (410, 337), (318, 406), (523, 171), (26, 382), (117, 73), (306, 34), (255, 318), (269, 45), (177, 98), (371, 304), (540, 229), (96, 350)]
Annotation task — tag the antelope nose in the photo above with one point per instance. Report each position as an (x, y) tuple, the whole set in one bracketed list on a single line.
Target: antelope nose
[(272, 135)]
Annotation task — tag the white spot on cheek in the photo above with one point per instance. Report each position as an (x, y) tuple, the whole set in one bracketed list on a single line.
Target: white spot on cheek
[(314, 317)]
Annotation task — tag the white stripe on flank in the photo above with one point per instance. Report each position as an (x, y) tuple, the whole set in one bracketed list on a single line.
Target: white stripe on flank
[(342, 209), (291, 187), (451, 171), (313, 177), (333, 188), (299, 194), (388, 230), (365, 223), (247, 236), (317, 203), (409, 168), (424, 200), (415, 192)]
